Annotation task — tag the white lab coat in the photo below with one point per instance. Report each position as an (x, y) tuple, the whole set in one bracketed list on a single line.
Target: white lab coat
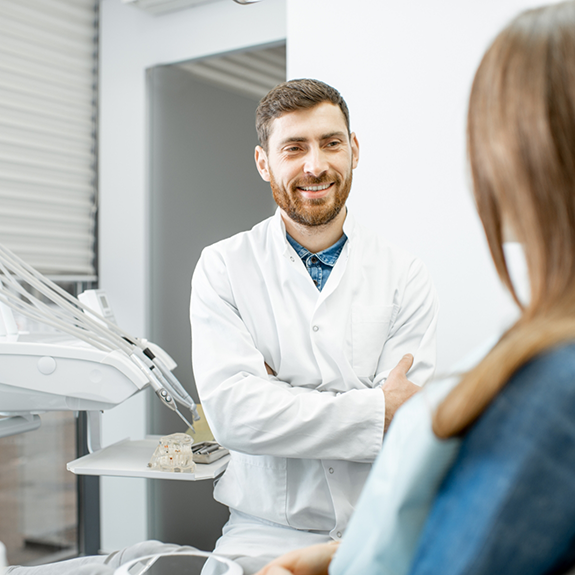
[(303, 442)]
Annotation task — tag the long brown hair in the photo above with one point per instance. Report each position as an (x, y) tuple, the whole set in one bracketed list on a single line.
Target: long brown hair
[(521, 145)]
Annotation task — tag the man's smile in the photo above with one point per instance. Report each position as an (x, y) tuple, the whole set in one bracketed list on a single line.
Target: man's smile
[(314, 188), (317, 191)]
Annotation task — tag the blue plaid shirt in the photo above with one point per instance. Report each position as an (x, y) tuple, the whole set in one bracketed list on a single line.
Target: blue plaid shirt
[(319, 265)]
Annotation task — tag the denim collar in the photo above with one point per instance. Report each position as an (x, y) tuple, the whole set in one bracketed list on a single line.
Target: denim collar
[(279, 232), (328, 256)]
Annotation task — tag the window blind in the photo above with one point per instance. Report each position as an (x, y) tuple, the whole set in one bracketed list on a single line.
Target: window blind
[(48, 87)]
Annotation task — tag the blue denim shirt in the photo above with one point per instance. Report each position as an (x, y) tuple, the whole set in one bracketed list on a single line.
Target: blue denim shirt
[(505, 506), (508, 503), (319, 265)]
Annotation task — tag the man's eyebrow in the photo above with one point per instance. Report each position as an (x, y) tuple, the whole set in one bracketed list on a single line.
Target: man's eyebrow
[(292, 140), (296, 139), (338, 134)]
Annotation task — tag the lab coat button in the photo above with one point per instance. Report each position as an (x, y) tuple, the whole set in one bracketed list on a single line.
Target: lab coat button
[(315, 328), (331, 469), (339, 534), (291, 259)]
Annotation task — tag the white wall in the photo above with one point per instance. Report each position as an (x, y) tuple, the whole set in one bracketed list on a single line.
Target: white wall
[(131, 42), (405, 70)]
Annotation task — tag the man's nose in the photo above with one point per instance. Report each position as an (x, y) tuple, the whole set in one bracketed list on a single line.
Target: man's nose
[(315, 163)]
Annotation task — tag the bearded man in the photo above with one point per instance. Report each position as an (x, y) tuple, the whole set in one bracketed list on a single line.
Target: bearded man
[(297, 328)]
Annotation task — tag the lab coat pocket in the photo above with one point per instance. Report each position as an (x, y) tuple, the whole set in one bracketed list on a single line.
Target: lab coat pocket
[(369, 330), (255, 484)]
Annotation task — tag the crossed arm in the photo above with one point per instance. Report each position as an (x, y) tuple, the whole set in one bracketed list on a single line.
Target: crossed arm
[(251, 412), (247, 408), (397, 389)]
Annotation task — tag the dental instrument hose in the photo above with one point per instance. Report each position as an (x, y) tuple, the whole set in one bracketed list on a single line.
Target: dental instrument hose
[(69, 315)]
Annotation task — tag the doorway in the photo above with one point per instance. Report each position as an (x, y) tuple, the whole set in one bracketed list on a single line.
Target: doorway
[(203, 187)]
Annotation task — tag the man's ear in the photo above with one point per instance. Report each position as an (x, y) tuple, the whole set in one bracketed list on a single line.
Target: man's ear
[(262, 163), (354, 150)]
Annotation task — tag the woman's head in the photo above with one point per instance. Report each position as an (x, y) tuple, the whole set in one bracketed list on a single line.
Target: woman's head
[(521, 141)]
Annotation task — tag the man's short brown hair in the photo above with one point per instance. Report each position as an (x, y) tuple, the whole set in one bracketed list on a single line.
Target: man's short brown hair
[(291, 96)]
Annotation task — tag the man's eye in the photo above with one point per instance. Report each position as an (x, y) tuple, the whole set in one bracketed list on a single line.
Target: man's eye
[(333, 144), (293, 149)]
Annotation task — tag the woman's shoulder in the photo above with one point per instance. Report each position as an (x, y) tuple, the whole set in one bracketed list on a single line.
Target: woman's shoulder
[(547, 382), (529, 418), (559, 359)]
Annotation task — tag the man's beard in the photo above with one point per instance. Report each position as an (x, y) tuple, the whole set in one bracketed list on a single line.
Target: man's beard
[(312, 212)]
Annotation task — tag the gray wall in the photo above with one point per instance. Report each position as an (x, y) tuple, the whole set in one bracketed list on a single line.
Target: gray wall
[(204, 187)]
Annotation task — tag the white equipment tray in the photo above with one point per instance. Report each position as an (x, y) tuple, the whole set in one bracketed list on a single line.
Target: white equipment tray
[(129, 458)]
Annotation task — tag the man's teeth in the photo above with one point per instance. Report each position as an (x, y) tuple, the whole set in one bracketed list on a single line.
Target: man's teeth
[(315, 188)]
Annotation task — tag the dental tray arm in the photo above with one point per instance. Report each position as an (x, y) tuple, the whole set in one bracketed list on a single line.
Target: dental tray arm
[(111, 363)]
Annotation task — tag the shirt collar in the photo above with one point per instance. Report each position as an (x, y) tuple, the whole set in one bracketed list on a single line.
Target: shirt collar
[(328, 256), (349, 230)]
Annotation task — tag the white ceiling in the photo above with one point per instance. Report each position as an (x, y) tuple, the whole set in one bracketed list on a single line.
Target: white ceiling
[(251, 74)]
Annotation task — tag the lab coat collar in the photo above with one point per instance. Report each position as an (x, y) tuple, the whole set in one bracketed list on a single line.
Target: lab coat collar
[(349, 226)]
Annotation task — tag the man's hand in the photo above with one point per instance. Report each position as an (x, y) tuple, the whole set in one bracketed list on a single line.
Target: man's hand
[(312, 560), (398, 389)]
